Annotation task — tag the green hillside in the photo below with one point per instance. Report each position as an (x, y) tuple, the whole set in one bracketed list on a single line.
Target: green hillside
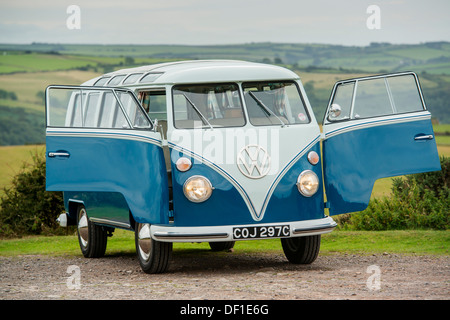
[(433, 57), (26, 70)]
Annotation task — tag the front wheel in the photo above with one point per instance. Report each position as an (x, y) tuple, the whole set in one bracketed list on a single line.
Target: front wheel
[(301, 250), (221, 246), (153, 255)]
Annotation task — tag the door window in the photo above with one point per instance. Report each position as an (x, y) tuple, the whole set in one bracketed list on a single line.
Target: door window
[(374, 97), (84, 107)]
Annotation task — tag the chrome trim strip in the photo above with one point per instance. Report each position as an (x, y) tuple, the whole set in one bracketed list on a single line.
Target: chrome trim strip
[(110, 223), (225, 233), (187, 236), (383, 120), (318, 229), (102, 134)]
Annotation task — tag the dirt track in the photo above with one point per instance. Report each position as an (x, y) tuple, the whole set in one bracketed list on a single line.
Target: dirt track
[(227, 276)]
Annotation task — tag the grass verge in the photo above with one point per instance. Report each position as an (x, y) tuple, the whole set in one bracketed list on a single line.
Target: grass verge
[(414, 242)]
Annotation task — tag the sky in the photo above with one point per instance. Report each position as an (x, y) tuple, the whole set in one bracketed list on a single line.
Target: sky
[(210, 22)]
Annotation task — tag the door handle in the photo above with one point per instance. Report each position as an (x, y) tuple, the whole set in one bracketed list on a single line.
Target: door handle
[(424, 137), (58, 154)]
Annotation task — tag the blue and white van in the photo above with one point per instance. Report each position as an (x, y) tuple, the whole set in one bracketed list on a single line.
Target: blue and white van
[(222, 151)]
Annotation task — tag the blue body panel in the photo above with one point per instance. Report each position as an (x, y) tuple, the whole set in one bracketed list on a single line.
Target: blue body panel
[(106, 171), (286, 200), (354, 160), (226, 205), (111, 206)]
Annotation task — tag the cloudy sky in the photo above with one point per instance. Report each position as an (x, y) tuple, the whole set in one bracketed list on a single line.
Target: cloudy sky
[(195, 22)]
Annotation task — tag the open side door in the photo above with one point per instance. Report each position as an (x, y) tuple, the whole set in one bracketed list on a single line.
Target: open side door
[(102, 151), (374, 127)]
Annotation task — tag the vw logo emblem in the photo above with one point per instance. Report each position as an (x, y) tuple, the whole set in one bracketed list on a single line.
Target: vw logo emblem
[(253, 161)]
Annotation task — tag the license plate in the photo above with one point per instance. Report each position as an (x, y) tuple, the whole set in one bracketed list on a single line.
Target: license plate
[(261, 232)]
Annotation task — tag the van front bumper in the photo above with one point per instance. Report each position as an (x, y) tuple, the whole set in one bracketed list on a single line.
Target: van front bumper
[(242, 232)]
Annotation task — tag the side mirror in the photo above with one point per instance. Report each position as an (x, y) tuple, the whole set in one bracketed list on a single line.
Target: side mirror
[(335, 111)]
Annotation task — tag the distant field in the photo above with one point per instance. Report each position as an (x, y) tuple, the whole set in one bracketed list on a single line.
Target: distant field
[(35, 62), (432, 57), (12, 160), (27, 85), (28, 72), (442, 133), (19, 62), (443, 140)]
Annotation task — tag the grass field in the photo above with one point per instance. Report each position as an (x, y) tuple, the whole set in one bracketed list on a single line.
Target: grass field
[(13, 62), (27, 85), (417, 242), (13, 159)]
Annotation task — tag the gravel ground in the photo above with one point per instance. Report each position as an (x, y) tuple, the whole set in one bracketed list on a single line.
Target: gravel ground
[(227, 276)]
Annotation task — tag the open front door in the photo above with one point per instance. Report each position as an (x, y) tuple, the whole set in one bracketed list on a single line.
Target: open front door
[(102, 152), (374, 127)]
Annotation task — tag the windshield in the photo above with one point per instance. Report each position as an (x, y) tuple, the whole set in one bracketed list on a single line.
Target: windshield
[(274, 103), (207, 106)]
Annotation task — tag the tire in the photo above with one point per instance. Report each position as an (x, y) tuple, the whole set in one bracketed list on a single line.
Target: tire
[(301, 250), (154, 256), (221, 246), (91, 237)]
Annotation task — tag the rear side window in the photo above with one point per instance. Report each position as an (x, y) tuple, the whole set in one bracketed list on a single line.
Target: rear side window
[(75, 107)]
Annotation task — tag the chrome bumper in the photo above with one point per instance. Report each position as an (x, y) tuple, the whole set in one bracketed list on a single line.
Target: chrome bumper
[(225, 233)]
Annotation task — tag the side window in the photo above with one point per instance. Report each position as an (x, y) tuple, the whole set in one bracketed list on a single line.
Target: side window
[(93, 108), (405, 94), (135, 114), (343, 97), (111, 115), (371, 99), (154, 103), (92, 111), (375, 96)]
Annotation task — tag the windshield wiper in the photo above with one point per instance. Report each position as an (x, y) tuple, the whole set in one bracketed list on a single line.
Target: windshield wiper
[(202, 117), (265, 108)]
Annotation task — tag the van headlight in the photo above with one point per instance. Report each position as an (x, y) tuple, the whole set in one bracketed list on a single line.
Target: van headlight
[(197, 189), (308, 183)]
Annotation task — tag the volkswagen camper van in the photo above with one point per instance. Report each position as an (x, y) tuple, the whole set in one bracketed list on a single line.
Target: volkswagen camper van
[(224, 151)]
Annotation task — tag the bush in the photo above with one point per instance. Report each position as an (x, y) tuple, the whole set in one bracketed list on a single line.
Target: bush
[(419, 201), (26, 208)]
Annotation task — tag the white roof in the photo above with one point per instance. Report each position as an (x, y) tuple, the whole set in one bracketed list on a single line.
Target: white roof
[(198, 71)]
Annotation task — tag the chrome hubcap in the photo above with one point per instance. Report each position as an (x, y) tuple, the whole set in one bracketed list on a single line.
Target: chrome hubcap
[(83, 230), (144, 241)]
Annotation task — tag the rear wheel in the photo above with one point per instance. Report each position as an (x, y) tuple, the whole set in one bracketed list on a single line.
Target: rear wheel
[(153, 255), (221, 246), (301, 250), (92, 238)]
